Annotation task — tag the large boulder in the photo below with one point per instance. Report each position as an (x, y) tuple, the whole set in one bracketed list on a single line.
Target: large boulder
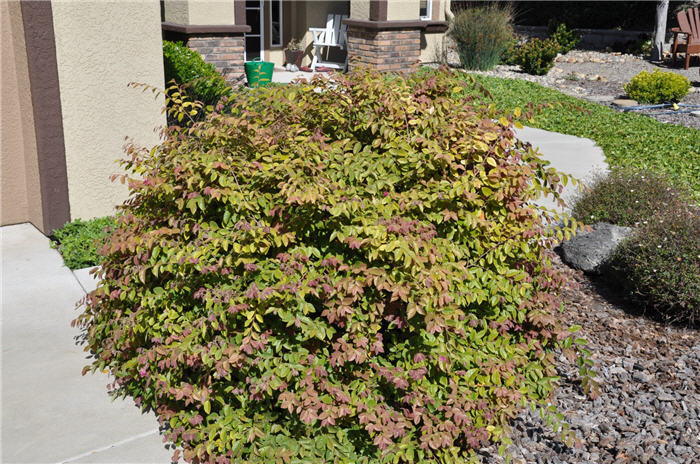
[(590, 251)]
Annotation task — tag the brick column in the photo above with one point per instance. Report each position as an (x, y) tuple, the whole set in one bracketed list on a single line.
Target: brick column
[(225, 53), (392, 46), (223, 45)]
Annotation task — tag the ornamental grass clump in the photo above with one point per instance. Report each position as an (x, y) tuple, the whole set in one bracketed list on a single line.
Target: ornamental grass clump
[(345, 271), (482, 35)]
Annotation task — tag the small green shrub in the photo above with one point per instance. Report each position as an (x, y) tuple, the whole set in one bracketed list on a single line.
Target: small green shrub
[(657, 87), (188, 69), (78, 241), (344, 271), (510, 52), (481, 34), (565, 38), (660, 265), (628, 197), (537, 56)]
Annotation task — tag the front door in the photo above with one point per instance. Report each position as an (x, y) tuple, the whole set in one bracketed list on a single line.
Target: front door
[(254, 40)]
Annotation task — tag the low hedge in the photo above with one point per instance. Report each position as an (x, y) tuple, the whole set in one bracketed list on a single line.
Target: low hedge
[(188, 69), (345, 271)]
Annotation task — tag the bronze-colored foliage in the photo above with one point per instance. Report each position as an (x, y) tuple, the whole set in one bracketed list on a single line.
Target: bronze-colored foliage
[(343, 271)]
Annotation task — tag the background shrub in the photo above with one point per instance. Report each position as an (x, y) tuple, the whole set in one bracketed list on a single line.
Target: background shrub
[(343, 271), (481, 34), (627, 197), (657, 87), (536, 56), (78, 241), (658, 267), (200, 78), (564, 37)]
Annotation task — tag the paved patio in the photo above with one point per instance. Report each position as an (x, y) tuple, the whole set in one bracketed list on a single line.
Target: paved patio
[(50, 413)]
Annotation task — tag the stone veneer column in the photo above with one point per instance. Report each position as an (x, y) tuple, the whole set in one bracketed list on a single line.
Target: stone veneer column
[(392, 46)]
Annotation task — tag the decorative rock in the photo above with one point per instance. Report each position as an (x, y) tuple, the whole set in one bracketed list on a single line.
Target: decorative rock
[(696, 114), (590, 251), (625, 102)]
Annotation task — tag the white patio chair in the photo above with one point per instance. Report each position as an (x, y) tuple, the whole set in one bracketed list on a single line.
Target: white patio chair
[(333, 35)]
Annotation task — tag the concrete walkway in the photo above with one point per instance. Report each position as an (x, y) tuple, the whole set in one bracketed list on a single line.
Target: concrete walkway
[(52, 414), (576, 156)]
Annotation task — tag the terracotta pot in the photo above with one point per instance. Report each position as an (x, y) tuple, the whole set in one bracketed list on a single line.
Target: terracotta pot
[(293, 57)]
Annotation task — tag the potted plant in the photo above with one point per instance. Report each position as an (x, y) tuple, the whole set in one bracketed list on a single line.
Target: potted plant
[(293, 53)]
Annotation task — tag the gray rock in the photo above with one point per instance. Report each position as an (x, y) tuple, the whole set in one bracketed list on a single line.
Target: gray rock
[(625, 102), (590, 251)]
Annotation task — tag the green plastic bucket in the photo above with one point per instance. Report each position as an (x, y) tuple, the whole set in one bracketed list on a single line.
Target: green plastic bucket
[(258, 72)]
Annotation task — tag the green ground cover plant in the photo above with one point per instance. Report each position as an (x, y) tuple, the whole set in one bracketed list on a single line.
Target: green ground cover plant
[(342, 271), (659, 267), (658, 87), (78, 241), (627, 139), (482, 35)]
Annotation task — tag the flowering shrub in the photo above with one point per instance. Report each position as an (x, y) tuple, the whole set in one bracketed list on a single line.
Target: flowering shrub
[(657, 87), (346, 271)]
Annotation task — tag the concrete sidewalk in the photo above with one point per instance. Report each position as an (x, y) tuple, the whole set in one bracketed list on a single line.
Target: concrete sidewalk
[(580, 158), (50, 413)]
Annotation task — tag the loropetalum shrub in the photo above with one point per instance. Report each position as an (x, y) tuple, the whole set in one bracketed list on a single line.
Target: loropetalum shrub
[(187, 67), (78, 240), (657, 87), (536, 56), (482, 35), (337, 271), (628, 197)]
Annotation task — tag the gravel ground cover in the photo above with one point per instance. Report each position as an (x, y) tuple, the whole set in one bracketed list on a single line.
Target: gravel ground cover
[(649, 408), (599, 77)]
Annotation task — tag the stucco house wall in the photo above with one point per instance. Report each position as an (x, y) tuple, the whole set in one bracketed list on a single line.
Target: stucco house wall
[(20, 193), (120, 42)]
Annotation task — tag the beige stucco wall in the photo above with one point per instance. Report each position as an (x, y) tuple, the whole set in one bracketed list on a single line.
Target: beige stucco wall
[(402, 10), (200, 12), (20, 194), (177, 11), (102, 46), (359, 9), (211, 12), (433, 44)]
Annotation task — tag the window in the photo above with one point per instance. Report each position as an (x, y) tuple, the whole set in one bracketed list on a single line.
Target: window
[(275, 23), (426, 10)]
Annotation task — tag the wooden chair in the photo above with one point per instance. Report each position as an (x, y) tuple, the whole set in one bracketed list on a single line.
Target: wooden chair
[(333, 35), (689, 26)]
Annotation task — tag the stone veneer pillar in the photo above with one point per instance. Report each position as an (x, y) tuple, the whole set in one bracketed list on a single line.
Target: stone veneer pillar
[(392, 46), (222, 46)]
